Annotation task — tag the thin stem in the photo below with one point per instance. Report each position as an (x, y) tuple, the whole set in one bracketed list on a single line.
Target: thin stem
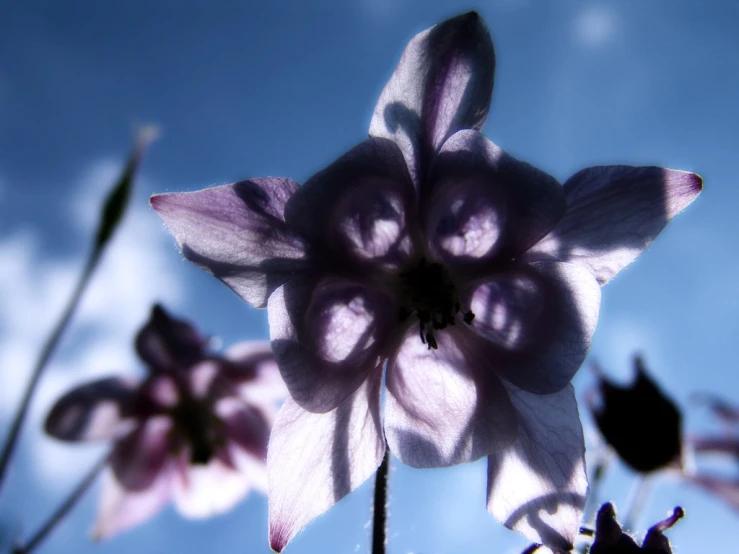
[(46, 353), (63, 510), (596, 481), (638, 500), (379, 517)]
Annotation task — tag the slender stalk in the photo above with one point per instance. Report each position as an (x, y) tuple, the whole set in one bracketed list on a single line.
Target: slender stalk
[(379, 516), (46, 353), (638, 500), (63, 510)]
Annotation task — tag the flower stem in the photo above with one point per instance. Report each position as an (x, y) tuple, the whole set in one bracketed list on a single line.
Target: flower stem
[(637, 502), (379, 517), (63, 510), (46, 353)]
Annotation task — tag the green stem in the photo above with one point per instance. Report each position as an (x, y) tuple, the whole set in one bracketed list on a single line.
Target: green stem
[(46, 353), (63, 510)]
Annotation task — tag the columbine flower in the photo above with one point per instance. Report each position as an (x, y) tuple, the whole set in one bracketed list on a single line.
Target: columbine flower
[(194, 431), (474, 275), (610, 538), (640, 422)]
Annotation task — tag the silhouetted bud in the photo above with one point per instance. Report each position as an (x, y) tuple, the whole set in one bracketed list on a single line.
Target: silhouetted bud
[(640, 422), (610, 538)]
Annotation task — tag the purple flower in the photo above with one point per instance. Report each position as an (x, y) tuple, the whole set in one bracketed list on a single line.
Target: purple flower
[(194, 431), (474, 275)]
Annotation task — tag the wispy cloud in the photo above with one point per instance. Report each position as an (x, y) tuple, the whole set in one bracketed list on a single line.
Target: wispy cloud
[(595, 25)]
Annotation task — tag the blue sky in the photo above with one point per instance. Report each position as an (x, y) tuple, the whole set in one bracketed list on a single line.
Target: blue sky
[(254, 88)]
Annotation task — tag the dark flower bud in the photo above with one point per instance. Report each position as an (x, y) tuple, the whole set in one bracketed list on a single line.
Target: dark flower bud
[(640, 422), (610, 538)]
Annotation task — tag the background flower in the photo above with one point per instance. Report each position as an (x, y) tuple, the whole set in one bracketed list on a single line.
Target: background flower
[(194, 431)]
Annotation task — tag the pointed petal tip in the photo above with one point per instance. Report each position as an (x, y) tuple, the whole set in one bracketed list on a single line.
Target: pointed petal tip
[(277, 541)]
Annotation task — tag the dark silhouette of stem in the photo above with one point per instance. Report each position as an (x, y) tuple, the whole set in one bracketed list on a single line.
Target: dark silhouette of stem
[(46, 353), (63, 510), (379, 516)]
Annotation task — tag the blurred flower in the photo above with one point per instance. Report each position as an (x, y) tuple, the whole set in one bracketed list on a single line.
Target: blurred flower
[(639, 421), (727, 443), (194, 431), (610, 538), (473, 274)]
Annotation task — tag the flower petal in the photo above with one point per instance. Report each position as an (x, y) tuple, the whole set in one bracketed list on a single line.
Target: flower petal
[(327, 337), (442, 84), (238, 233), (444, 406), (254, 372), (487, 200), (247, 426), (536, 322), (120, 509), (725, 488), (614, 212), (95, 411), (538, 486), (355, 212), (315, 460), (166, 343), (201, 491), (138, 458)]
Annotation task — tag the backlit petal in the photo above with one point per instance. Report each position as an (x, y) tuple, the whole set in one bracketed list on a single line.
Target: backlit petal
[(98, 410), (538, 485), (238, 233), (315, 460), (536, 322), (139, 457), (444, 406), (614, 213), (327, 337), (442, 84), (166, 343)]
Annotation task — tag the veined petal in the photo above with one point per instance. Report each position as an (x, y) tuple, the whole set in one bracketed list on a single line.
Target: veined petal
[(536, 322), (488, 201), (538, 486), (166, 343), (613, 213), (139, 457), (238, 233), (315, 460), (201, 491), (443, 83), (98, 410), (120, 509), (357, 211), (444, 406), (327, 337)]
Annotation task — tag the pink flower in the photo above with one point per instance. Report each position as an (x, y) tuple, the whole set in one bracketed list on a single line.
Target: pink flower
[(194, 431), (474, 275)]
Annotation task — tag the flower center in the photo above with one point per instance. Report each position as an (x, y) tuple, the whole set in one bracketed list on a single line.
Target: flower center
[(429, 292), (203, 431)]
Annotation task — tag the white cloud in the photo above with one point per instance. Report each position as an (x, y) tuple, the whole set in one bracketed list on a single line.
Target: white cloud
[(139, 268), (595, 25)]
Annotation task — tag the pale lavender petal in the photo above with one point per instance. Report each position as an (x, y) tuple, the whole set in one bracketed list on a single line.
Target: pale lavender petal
[(98, 410), (139, 457), (166, 343), (536, 322), (538, 486), (442, 84), (485, 205), (255, 372), (717, 444), (120, 509), (246, 425), (201, 491), (355, 212), (327, 337), (238, 233), (444, 406), (315, 460), (614, 213)]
